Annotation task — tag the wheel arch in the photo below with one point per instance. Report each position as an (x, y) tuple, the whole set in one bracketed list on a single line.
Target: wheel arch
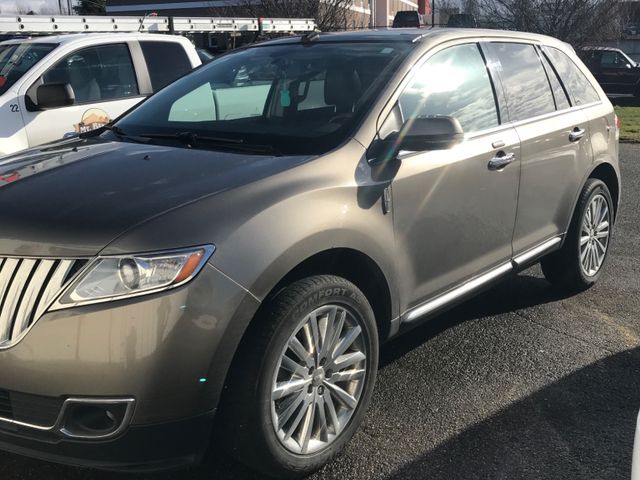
[(605, 172)]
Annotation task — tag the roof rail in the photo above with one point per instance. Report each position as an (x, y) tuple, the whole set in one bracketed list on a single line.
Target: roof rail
[(44, 24)]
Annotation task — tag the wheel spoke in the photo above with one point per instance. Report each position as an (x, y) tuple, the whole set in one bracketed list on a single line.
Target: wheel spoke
[(307, 426), (343, 397), (347, 360), (306, 400), (333, 415), (322, 419), (302, 353), (346, 342), (347, 375), (335, 322), (584, 239), (291, 408), (292, 366), (284, 389)]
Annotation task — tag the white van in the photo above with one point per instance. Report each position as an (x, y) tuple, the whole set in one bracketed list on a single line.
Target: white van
[(57, 86)]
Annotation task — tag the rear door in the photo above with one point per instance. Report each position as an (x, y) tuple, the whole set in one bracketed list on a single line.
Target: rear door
[(554, 140), (453, 214), (105, 85)]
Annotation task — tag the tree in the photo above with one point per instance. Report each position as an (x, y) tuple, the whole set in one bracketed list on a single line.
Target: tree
[(90, 7), (328, 14), (579, 22)]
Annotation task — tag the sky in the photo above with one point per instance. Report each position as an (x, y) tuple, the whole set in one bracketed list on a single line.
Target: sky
[(38, 6)]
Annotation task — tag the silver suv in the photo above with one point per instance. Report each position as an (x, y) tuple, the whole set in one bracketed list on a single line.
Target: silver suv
[(237, 246)]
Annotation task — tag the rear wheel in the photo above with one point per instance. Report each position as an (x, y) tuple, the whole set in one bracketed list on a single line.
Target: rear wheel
[(303, 379), (578, 265)]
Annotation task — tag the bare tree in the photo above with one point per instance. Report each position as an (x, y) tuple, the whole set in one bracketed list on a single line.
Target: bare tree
[(328, 14), (578, 22)]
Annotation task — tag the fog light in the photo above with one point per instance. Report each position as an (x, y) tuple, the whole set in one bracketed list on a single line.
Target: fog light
[(95, 418)]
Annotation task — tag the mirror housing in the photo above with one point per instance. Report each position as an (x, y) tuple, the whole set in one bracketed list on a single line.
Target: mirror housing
[(55, 95), (430, 133), (419, 134)]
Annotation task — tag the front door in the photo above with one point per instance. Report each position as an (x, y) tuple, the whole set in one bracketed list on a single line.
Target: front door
[(453, 213), (104, 84)]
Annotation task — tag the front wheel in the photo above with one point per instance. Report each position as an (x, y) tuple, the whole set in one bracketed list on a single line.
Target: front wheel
[(303, 378), (578, 264)]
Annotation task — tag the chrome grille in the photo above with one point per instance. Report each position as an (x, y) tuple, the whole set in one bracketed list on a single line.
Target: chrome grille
[(27, 287)]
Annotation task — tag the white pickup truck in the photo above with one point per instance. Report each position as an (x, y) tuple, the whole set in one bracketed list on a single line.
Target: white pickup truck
[(56, 86)]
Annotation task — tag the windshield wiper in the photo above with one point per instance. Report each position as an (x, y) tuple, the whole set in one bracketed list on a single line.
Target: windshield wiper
[(122, 134), (192, 140)]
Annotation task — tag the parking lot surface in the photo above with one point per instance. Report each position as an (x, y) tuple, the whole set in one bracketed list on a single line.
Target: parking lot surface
[(519, 383)]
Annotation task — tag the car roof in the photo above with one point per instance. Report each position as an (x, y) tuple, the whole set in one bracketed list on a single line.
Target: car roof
[(603, 49), (415, 35)]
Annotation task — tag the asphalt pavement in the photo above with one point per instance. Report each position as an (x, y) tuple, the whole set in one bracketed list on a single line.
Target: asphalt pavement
[(518, 383)]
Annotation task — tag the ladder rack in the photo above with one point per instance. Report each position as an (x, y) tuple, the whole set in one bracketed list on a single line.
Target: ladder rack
[(44, 24)]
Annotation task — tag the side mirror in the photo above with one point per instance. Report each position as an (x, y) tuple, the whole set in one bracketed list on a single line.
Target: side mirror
[(55, 95), (430, 133)]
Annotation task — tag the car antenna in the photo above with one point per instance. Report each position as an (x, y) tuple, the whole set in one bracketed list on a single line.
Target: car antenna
[(311, 36)]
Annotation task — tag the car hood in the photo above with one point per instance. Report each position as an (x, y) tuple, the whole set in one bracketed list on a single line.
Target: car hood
[(74, 198)]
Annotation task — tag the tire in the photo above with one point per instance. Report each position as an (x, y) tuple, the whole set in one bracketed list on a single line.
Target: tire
[(255, 425), (565, 268)]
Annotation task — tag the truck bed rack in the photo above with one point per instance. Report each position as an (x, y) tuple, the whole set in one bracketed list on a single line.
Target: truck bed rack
[(46, 25)]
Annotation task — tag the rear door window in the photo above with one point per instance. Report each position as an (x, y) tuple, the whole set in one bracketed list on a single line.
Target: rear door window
[(96, 74), (523, 78), (455, 83), (166, 61), (576, 83)]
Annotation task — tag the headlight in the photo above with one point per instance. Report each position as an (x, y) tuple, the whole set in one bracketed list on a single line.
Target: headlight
[(110, 278)]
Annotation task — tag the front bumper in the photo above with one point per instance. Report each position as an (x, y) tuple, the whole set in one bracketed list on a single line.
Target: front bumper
[(168, 352), (140, 448)]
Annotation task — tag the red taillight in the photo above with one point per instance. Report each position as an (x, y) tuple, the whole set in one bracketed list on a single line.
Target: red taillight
[(618, 122)]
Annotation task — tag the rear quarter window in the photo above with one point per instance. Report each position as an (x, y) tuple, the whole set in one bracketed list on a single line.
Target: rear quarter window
[(166, 61), (576, 83)]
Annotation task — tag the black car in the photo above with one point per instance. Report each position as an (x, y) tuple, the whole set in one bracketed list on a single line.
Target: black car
[(409, 19), (614, 70)]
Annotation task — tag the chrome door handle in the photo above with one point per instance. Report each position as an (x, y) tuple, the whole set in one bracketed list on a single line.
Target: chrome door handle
[(576, 134), (500, 161)]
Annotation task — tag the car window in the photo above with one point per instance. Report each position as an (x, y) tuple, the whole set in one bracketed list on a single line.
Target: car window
[(524, 80), (96, 73), (612, 60), (576, 83), (453, 82), (166, 61), (17, 58), (559, 94), (293, 97)]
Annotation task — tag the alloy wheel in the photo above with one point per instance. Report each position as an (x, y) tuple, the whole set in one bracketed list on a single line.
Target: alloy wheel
[(319, 380), (594, 235)]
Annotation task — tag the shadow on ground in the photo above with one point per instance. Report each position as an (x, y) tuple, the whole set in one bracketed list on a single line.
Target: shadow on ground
[(565, 430)]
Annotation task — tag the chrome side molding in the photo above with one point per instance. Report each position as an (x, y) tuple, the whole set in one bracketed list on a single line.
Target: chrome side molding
[(477, 282), (537, 251)]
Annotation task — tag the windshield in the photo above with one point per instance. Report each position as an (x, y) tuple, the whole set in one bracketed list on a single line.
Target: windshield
[(17, 58), (292, 99)]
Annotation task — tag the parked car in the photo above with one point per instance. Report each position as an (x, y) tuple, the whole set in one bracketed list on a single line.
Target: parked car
[(462, 20), (613, 69), (237, 246), (54, 86), (409, 19)]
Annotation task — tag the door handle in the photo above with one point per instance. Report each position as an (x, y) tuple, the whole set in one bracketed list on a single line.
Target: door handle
[(576, 134), (500, 161)]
